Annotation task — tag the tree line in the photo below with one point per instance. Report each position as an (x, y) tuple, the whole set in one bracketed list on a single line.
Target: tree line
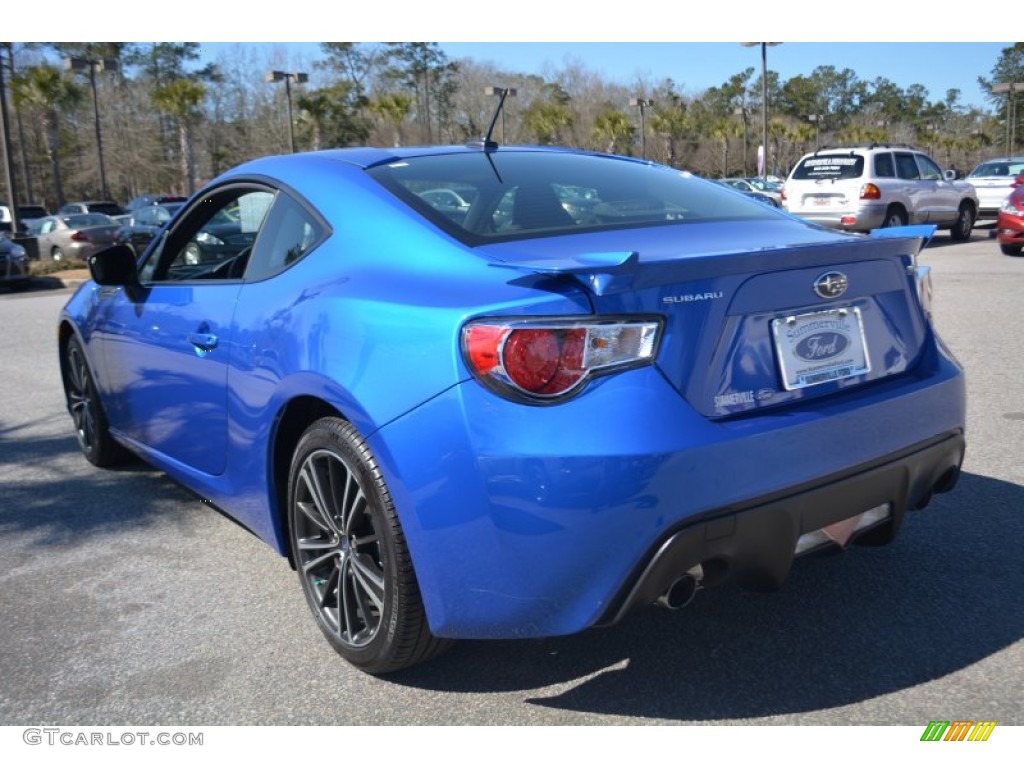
[(167, 124)]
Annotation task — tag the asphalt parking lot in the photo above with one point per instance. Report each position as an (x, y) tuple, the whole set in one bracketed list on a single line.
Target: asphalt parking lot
[(126, 600)]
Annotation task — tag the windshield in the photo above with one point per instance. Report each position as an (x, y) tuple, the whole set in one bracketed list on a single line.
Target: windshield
[(998, 168), (512, 194)]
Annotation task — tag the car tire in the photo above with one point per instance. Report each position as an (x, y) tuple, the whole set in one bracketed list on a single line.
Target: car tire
[(86, 411), (895, 217), (961, 230), (350, 553), (1010, 250), (56, 253)]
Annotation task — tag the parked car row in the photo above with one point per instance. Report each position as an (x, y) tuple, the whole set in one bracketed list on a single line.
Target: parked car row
[(31, 214)]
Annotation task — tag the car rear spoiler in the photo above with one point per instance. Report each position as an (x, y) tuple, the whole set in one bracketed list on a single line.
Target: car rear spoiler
[(606, 273)]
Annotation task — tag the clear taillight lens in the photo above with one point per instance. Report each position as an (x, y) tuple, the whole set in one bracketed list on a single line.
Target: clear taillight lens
[(870, 192), (1012, 206), (551, 359)]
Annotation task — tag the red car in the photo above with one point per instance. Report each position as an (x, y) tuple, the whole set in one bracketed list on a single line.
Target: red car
[(1010, 224)]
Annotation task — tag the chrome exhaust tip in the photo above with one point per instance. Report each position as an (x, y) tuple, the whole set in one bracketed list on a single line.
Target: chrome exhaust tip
[(682, 591)]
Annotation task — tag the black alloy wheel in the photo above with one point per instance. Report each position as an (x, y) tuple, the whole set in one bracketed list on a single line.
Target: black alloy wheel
[(86, 410), (351, 555)]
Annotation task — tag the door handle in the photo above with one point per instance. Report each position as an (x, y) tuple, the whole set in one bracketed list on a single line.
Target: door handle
[(203, 341)]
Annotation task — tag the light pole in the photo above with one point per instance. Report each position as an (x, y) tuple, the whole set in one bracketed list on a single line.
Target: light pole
[(495, 90), (8, 159), (764, 102), (276, 76), (92, 66), (642, 104), (816, 119), (1011, 112)]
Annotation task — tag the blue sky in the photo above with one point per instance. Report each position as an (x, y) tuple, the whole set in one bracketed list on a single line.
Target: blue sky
[(695, 66), (691, 42)]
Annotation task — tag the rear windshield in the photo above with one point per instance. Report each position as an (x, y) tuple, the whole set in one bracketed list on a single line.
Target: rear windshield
[(31, 212), (490, 197), (111, 209), (834, 167)]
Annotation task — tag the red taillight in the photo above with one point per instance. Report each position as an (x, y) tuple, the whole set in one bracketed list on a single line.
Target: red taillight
[(79, 237), (1018, 181), (870, 192), (544, 360)]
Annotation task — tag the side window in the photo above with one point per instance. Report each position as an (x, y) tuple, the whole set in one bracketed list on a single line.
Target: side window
[(883, 166), (214, 241), (929, 170), (290, 232), (906, 167), (47, 227), (144, 218)]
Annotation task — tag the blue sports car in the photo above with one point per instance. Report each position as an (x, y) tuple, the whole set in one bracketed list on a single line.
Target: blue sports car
[(598, 384)]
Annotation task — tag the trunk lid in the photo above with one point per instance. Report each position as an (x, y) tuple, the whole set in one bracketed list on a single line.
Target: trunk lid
[(747, 326)]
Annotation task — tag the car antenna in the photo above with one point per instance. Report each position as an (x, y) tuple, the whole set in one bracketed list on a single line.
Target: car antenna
[(487, 143)]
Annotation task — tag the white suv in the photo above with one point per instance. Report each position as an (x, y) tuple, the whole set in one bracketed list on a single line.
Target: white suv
[(864, 188)]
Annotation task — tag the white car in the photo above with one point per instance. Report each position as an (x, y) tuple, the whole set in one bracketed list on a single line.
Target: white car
[(994, 180), (860, 188)]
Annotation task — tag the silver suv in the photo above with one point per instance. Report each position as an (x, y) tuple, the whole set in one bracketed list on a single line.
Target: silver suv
[(867, 187)]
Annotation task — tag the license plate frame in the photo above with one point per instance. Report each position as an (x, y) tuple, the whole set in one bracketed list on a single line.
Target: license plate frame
[(819, 347)]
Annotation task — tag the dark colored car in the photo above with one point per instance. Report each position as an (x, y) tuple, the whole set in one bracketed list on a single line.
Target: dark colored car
[(741, 185), (228, 232), (1010, 223), (143, 201), (520, 423), (14, 272), (144, 223), (28, 215)]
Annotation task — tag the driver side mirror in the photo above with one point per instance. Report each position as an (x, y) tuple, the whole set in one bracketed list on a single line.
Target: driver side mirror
[(951, 175), (114, 266)]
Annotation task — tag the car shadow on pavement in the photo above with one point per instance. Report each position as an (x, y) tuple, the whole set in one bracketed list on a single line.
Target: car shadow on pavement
[(948, 593), (55, 506)]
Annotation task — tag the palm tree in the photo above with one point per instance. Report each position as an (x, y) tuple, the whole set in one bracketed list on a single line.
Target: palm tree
[(672, 123), (180, 99), (316, 108), (723, 130), (548, 114), (393, 108), (47, 90), (614, 128)]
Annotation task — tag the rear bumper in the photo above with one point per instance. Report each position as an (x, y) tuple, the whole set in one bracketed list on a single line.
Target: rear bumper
[(756, 545), (864, 217), (530, 522)]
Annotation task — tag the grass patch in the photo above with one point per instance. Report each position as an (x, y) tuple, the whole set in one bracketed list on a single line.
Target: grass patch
[(49, 266)]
